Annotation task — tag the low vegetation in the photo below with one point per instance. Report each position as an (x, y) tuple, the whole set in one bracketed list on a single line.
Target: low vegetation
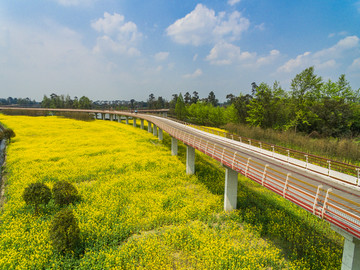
[(342, 149), (139, 209)]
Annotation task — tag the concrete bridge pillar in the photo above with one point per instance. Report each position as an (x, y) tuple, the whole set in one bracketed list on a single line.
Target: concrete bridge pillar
[(174, 146), (351, 251), (230, 194), (134, 122), (103, 116), (160, 134), (190, 159), (111, 116), (149, 126), (142, 124), (127, 120), (119, 118), (155, 130)]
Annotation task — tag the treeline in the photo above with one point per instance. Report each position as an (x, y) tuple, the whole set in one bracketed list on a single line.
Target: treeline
[(24, 102), (323, 108), (61, 101)]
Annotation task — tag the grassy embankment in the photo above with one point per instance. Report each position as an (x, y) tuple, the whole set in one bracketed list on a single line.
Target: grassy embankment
[(341, 149), (140, 210)]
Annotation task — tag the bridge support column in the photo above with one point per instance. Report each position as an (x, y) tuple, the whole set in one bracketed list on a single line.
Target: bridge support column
[(174, 146), (190, 159), (127, 120), (103, 116), (155, 130), (351, 251), (230, 195), (149, 126), (111, 116), (142, 124), (160, 134), (134, 122), (119, 118)]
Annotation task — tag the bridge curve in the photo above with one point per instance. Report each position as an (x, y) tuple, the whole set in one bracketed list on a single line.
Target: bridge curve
[(334, 199)]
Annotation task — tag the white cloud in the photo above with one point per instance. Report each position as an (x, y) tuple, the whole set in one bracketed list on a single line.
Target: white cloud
[(196, 74), (355, 65), (161, 56), (233, 2), (261, 27), (120, 37), (265, 60), (325, 58), (337, 50), (68, 3), (300, 61), (195, 57), (105, 44), (203, 26), (225, 54)]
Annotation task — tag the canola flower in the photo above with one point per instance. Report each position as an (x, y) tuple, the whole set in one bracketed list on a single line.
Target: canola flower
[(139, 209)]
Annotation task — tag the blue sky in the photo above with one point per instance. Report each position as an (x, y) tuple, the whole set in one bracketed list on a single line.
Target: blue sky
[(118, 49)]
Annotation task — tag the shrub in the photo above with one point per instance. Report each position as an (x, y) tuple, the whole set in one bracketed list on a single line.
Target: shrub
[(2, 136), (36, 194), (64, 232), (64, 193), (9, 133)]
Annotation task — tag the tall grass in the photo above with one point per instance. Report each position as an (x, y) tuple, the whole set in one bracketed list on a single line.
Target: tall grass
[(341, 149)]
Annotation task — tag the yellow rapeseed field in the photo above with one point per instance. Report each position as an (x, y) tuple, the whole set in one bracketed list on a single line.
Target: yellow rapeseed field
[(138, 208)]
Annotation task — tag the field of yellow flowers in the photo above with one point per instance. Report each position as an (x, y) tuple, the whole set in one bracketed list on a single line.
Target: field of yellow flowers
[(139, 209)]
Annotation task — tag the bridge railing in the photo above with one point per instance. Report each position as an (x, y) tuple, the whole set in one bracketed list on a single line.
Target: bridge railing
[(326, 204)]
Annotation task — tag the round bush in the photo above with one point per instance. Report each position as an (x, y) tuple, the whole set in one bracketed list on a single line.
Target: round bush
[(64, 232), (8, 133), (64, 193), (36, 194)]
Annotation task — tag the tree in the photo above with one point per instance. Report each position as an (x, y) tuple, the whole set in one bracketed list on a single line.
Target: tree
[(37, 194), (132, 101), (212, 99), (187, 98), (46, 102), (76, 103), (160, 103), (68, 102), (151, 101), (195, 97), (230, 98), (267, 109), (241, 105), (85, 103), (173, 101), (180, 109), (254, 88), (305, 88), (231, 114), (65, 232)]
